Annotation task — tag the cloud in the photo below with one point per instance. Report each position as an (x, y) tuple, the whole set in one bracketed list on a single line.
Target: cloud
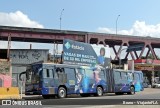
[(139, 28), (19, 19)]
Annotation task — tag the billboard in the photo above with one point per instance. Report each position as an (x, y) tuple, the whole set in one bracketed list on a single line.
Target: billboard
[(144, 67), (85, 54)]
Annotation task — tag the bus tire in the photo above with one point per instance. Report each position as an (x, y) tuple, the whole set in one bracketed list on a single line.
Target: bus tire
[(132, 90), (62, 92), (99, 91)]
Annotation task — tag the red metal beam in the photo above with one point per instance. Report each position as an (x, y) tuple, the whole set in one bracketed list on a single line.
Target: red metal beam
[(127, 55), (148, 52), (131, 53), (51, 36), (153, 53), (136, 54), (142, 52), (120, 48), (115, 52)]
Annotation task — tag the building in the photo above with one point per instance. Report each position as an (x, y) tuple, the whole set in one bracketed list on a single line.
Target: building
[(21, 58)]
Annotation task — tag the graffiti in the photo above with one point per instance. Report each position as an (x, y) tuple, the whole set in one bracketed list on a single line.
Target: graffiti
[(4, 66), (27, 56), (20, 55), (23, 55), (36, 55)]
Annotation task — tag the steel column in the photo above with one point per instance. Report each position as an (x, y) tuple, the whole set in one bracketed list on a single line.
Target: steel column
[(153, 53), (142, 52), (131, 53), (147, 52), (136, 54), (119, 51)]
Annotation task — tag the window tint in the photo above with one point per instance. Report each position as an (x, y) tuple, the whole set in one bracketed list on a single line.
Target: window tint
[(117, 76), (141, 76), (89, 73), (130, 75), (102, 75), (70, 73), (81, 71), (124, 75), (47, 73), (136, 76)]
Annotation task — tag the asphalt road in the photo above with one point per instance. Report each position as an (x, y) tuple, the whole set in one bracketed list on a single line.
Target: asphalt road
[(110, 98)]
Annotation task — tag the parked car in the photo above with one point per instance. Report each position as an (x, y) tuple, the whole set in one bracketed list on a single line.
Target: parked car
[(145, 85), (156, 85)]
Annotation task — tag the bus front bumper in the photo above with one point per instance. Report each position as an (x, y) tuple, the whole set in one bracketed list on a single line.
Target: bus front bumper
[(33, 92)]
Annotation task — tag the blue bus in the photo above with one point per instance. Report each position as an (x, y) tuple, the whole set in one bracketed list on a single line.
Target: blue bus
[(125, 81), (50, 80)]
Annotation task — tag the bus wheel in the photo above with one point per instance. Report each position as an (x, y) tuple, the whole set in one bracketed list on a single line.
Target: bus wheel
[(132, 90), (99, 91), (62, 92)]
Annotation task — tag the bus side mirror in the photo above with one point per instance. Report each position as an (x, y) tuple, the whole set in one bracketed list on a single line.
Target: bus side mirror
[(20, 75)]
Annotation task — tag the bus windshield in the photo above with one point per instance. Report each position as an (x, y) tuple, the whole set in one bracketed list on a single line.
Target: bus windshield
[(28, 76), (33, 76)]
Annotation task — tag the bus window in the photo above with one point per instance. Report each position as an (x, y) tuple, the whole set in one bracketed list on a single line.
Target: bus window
[(141, 76), (130, 76), (29, 76), (71, 75), (47, 73), (124, 75), (55, 74), (117, 76), (102, 75), (136, 76), (89, 73), (81, 71)]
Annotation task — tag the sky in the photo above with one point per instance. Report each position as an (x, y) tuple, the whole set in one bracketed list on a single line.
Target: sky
[(137, 17)]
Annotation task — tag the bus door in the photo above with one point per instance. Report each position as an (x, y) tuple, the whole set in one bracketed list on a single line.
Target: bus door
[(137, 82), (71, 79), (125, 82), (110, 80), (47, 81)]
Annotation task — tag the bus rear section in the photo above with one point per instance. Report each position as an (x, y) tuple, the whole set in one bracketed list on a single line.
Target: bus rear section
[(127, 82), (50, 80), (137, 80)]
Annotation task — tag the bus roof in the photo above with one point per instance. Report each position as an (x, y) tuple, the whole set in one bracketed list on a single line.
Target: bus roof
[(121, 70), (66, 65)]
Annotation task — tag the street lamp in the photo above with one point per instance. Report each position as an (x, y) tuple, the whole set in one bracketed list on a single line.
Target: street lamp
[(116, 23), (60, 18)]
